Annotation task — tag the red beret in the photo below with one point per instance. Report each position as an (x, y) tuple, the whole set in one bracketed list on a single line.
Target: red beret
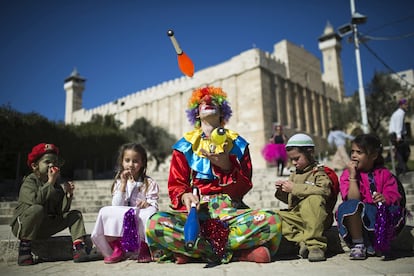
[(39, 150)]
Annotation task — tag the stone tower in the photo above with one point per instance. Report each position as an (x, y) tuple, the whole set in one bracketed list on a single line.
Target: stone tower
[(74, 86), (330, 46)]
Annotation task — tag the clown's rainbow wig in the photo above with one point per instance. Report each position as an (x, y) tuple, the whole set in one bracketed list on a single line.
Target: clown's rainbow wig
[(219, 97)]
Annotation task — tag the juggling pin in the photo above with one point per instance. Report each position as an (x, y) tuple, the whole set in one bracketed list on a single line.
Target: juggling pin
[(184, 62), (192, 225)]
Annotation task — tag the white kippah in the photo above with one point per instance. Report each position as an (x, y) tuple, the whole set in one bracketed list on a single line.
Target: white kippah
[(300, 140)]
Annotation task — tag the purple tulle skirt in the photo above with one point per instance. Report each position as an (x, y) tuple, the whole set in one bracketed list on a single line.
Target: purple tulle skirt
[(380, 224), (274, 152)]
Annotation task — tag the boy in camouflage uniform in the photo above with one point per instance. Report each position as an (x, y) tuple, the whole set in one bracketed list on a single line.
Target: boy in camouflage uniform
[(43, 206), (307, 193)]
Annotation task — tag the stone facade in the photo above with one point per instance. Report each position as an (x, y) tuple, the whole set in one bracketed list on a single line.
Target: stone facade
[(284, 87)]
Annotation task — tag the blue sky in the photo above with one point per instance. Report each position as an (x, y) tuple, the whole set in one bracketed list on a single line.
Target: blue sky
[(121, 47)]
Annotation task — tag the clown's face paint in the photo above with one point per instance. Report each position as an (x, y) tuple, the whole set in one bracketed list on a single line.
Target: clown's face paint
[(207, 108)]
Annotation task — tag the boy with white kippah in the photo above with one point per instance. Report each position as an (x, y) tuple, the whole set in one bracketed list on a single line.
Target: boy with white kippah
[(308, 195)]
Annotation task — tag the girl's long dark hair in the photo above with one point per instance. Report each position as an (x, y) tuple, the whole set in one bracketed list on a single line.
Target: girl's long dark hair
[(370, 143)]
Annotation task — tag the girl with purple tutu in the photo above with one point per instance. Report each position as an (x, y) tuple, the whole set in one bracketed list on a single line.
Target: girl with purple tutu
[(365, 186), (275, 152), (119, 230)]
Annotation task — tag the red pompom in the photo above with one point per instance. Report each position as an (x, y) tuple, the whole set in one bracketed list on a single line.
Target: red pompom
[(216, 233)]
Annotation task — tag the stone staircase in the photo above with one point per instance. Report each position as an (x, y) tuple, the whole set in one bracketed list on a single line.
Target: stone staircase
[(91, 195)]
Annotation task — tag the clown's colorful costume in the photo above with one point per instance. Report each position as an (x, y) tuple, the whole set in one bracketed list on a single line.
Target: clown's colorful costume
[(225, 226)]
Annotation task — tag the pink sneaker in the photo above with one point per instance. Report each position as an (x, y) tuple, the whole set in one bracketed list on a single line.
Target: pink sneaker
[(117, 255)]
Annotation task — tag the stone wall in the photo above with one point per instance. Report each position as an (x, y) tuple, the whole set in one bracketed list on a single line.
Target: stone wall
[(261, 91)]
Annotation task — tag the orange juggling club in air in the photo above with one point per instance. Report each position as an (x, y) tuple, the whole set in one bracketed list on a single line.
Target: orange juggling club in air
[(184, 62)]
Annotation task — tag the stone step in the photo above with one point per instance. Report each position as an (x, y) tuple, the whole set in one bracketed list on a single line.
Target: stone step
[(91, 195), (5, 219), (59, 247)]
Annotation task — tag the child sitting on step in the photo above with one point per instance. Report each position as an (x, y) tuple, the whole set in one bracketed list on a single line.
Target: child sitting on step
[(44, 206), (308, 195), (120, 228), (365, 185)]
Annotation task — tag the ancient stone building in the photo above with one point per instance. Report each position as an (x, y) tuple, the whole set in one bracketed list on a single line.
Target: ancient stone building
[(285, 87)]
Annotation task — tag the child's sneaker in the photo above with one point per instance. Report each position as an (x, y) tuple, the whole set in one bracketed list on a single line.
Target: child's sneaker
[(316, 255), (25, 253), (358, 252), (79, 252), (371, 252), (118, 253)]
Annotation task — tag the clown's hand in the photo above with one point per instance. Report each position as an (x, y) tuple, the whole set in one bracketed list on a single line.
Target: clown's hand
[(220, 160)]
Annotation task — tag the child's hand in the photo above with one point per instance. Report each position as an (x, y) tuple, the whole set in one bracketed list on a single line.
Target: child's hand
[(69, 187), (126, 175), (278, 184), (352, 168), (284, 185), (52, 173), (142, 204), (378, 198)]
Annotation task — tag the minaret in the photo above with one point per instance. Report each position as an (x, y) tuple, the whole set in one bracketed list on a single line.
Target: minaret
[(330, 46), (74, 86)]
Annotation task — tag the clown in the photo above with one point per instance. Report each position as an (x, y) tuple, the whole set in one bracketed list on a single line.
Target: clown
[(222, 172)]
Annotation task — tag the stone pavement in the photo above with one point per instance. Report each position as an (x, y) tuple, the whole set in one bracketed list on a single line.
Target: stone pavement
[(336, 265)]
